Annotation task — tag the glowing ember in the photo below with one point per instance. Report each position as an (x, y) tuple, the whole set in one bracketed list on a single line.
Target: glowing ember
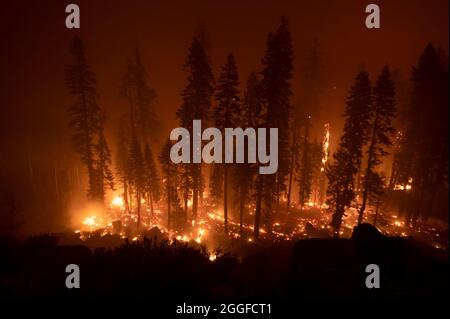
[(90, 221)]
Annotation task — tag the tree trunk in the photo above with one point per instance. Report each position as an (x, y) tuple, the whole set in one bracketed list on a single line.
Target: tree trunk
[(277, 200), (376, 213), (291, 174), (258, 207), (130, 198), (302, 201), (195, 193), (366, 181), (169, 200), (225, 197), (152, 212), (125, 195), (138, 198), (241, 210), (362, 208)]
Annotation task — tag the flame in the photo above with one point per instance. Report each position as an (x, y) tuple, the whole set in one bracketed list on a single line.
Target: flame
[(401, 187), (117, 202), (325, 146), (90, 221)]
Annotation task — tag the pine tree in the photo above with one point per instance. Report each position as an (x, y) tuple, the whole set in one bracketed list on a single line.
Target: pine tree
[(227, 114), (196, 105), (203, 36), (347, 159), (85, 112), (244, 174), (134, 88), (381, 130), (424, 147), (275, 95), (127, 92), (149, 124)]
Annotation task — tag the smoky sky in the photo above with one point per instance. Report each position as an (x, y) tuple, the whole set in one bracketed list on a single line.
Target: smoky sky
[(35, 53)]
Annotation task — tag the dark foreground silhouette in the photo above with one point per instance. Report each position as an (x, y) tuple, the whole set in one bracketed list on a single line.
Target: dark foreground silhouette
[(152, 268)]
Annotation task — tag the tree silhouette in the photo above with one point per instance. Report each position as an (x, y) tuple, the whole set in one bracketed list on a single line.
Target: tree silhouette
[(347, 159), (196, 105), (383, 110), (244, 174), (275, 95), (134, 88), (424, 145), (85, 112), (226, 114)]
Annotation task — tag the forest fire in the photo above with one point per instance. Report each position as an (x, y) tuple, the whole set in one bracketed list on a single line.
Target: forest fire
[(168, 152), (206, 229)]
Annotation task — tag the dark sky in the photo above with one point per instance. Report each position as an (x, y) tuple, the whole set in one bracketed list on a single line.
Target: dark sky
[(34, 138), (35, 46)]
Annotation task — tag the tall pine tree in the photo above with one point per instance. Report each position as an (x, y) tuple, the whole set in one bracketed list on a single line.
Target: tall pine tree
[(86, 118), (424, 147), (383, 110), (347, 159), (227, 114), (275, 94), (196, 106)]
